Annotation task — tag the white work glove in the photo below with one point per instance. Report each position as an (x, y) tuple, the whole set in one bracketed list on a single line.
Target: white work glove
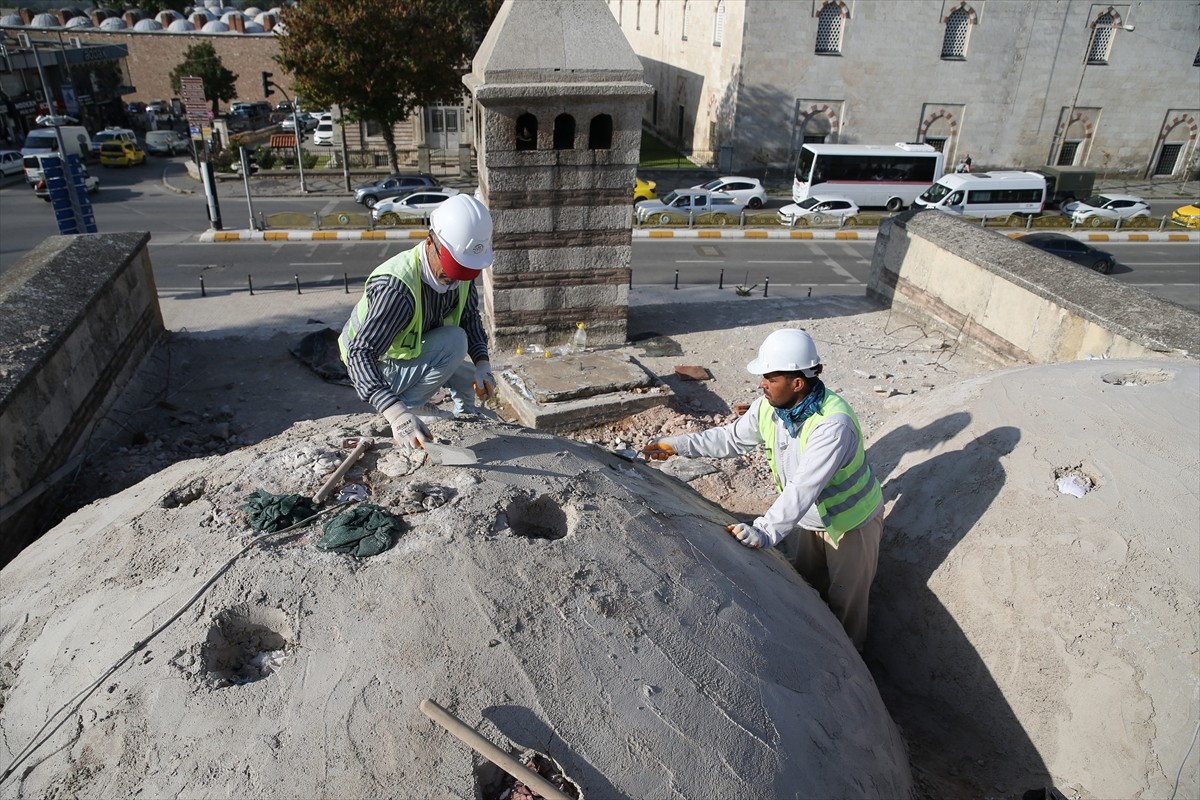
[(485, 381), (749, 535), (407, 431), (661, 449)]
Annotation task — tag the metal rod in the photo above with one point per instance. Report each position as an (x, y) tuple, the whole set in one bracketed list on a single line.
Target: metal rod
[(471, 737), (250, 283), (202, 294), (766, 285), (721, 280), (297, 283), (346, 282), (676, 279)]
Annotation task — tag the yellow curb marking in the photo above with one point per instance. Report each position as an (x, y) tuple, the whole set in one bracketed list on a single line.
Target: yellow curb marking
[(374, 235), (800, 235), (276, 236), (845, 235), (708, 234), (661, 234), (226, 237), (1097, 237), (324, 235), (1178, 237), (756, 235), (1139, 237)]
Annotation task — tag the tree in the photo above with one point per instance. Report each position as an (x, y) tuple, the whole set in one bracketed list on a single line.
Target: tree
[(152, 7), (380, 60), (201, 61)]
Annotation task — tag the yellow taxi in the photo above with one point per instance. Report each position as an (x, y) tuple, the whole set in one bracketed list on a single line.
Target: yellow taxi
[(1187, 216), (643, 190), (121, 154)]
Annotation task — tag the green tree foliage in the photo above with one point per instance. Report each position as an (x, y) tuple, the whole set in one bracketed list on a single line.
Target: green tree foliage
[(201, 61), (152, 7), (380, 60)]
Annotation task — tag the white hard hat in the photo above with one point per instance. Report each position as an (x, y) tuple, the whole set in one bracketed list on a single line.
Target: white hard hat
[(463, 227), (787, 350)]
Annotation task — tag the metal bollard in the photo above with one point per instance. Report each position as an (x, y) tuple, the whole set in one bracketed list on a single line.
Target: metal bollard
[(1162, 224), (721, 280), (316, 221), (691, 219), (346, 282), (202, 294), (250, 283), (766, 285), (810, 291), (676, 279), (297, 283), (1029, 222)]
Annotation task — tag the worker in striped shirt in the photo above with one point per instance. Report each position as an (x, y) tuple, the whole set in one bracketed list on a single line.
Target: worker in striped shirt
[(418, 320)]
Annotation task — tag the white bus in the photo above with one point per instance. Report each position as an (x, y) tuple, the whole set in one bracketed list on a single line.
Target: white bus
[(887, 176), (987, 194)]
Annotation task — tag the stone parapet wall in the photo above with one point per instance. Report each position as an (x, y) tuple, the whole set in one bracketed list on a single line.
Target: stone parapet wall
[(1016, 303), (77, 315)]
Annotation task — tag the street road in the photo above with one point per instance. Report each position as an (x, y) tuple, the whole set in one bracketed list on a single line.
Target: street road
[(136, 199)]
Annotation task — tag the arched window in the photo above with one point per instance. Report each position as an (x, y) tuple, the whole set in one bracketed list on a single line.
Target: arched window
[(829, 30), (1102, 39), (564, 132), (719, 24), (958, 28), (526, 132), (600, 132)]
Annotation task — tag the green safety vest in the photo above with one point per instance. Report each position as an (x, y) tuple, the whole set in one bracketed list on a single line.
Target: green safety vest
[(407, 345), (849, 499)]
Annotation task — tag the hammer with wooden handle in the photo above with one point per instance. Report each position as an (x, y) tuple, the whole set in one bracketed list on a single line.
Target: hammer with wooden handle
[(361, 444)]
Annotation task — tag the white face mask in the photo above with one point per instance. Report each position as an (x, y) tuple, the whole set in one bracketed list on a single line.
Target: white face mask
[(427, 276)]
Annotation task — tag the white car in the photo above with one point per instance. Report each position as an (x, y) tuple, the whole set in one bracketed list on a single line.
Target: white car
[(417, 204), (747, 191), (10, 163), (324, 133), (1098, 208), (818, 209), (682, 205)]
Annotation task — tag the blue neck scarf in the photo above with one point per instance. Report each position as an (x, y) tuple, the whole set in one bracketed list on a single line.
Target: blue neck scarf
[(794, 417)]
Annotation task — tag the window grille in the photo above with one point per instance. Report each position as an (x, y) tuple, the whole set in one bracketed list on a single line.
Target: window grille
[(936, 142), (815, 138), (1102, 37), (1167, 158), (954, 43), (1066, 155), (719, 24), (829, 30)]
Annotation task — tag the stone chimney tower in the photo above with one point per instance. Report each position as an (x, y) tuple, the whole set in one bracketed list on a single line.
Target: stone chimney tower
[(559, 98)]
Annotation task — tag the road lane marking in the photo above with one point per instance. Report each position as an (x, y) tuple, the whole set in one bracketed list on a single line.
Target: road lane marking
[(316, 264)]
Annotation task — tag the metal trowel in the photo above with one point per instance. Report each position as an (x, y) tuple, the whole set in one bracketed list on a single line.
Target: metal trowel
[(448, 455)]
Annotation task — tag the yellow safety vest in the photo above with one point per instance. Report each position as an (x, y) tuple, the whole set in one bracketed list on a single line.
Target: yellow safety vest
[(407, 267), (849, 499)]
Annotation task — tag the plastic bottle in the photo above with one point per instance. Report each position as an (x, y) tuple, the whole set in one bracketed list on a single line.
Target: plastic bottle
[(579, 343)]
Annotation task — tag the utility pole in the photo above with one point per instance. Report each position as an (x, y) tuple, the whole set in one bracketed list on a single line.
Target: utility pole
[(267, 85)]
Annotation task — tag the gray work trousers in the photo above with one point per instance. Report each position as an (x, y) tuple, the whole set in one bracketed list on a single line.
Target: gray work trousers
[(842, 574)]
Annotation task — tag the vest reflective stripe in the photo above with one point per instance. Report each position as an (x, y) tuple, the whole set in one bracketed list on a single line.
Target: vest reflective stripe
[(853, 494), (406, 267)]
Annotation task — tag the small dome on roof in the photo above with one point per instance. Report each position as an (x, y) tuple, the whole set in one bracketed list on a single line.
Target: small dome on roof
[(79, 22), (167, 16), (252, 11), (226, 16), (147, 25), (254, 27), (213, 26), (12, 21), (44, 21), (113, 24), (181, 26)]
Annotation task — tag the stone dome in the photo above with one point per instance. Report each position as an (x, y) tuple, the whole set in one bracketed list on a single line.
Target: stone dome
[(79, 22), (44, 21), (12, 21), (167, 16), (147, 25), (181, 26), (254, 27), (215, 26), (113, 24)]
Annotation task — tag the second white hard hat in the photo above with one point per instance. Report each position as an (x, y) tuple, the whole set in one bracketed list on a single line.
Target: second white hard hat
[(463, 226), (787, 350)]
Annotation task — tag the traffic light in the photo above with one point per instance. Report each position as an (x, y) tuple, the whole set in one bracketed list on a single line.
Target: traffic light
[(266, 81)]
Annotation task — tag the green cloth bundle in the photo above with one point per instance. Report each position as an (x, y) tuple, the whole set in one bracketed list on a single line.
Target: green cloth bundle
[(362, 531), (269, 512)]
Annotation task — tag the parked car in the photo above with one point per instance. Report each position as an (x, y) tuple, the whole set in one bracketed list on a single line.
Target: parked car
[(112, 134), (307, 122), (818, 209), (1187, 216), (323, 134), (644, 190), (681, 204), (417, 204), (1098, 208), (121, 154), (747, 191), (10, 163), (392, 186), (1072, 249), (167, 143), (159, 107)]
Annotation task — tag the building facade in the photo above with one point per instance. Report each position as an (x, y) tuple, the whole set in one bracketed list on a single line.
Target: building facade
[(742, 84)]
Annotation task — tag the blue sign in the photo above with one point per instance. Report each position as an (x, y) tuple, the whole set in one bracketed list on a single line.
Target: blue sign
[(68, 194)]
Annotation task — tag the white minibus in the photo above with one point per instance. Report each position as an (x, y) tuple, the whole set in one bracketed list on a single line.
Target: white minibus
[(986, 194), (884, 176)]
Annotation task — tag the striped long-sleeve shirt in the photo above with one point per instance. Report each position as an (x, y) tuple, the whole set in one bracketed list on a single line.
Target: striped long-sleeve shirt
[(389, 310)]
